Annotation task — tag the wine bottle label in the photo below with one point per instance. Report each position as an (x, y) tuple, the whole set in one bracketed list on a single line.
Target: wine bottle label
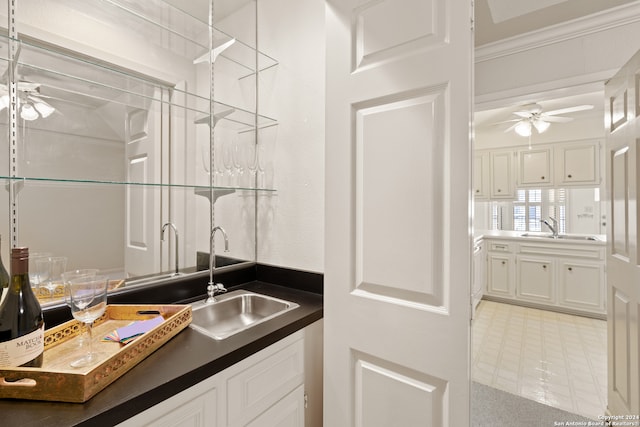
[(23, 349)]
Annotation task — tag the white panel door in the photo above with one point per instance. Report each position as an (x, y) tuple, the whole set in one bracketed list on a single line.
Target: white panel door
[(623, 259), (398, 246), (143, 133)]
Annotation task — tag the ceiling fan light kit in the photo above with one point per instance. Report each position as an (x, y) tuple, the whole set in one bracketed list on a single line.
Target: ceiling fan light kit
[(531, 116)]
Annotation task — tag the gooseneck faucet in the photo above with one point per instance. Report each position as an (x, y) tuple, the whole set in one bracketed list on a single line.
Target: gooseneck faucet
[(175, 231), (214, 288), (553, 228)]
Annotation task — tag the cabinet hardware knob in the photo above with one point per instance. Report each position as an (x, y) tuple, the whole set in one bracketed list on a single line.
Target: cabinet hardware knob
[(569, 176), (542, 177), (477, 191), (544, 266), (570, 269), (504, 262), (499, 190)]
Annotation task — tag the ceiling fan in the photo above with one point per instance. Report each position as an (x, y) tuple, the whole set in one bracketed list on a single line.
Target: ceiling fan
[(531, 116), (30, 101)]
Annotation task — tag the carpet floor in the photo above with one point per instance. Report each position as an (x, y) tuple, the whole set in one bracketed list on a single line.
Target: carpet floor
[(491, 407)]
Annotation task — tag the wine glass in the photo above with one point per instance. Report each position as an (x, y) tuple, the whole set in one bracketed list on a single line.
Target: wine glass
[(50, 271), (89, 273), (35, 275), (88, 297), (251, 158)]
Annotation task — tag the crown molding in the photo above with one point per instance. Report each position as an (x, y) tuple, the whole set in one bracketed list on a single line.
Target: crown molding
[(580, 27)]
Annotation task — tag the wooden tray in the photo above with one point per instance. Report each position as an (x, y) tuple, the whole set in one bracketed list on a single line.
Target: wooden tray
[(57, 381)]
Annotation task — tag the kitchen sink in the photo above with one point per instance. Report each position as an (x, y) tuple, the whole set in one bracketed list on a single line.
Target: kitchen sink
[(235, 312), (561, 236)]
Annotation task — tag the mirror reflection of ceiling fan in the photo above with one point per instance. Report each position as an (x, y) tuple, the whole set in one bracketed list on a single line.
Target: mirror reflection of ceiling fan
[(531, 116), (30, 102)]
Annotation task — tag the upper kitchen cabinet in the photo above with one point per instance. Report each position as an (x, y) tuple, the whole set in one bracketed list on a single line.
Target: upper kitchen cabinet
[(125, 116), (503, 179), (578, 163), (534, 167), (481, 181)]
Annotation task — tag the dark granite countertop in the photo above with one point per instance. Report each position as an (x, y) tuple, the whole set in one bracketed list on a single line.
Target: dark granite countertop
[(182, 362)]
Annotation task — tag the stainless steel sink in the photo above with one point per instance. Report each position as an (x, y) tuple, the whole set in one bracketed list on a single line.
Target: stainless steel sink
[(235, 312), (561, 236)]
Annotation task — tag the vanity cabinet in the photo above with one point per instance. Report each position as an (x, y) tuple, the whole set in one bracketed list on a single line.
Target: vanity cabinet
[(502, 175), (557, 275), (534, 167), (265, 389), (479, 274)]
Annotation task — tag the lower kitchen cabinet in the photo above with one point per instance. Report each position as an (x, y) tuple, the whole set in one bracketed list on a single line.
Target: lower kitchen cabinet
[(265, 389), (555, 275), (500, 269), (582, 285), (535, 279)]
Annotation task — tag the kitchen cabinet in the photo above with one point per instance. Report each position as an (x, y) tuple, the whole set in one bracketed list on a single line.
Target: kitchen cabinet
[(481, 181), (535, 278), (265, 389), (500, 265), (581, 285), (549, 274), (534, 167), (479, 274), (578, 164), (502, 175)]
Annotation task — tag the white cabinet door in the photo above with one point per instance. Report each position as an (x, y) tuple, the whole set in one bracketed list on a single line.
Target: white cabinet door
[(479, 285), (502, 177), (578, 164), (582, 285), (288, 412), (196, 406), (535, 279), (499, 276), (481, 166), (534, 167)]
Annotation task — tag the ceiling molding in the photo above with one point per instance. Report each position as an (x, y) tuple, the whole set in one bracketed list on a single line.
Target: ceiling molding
[(601, 21)]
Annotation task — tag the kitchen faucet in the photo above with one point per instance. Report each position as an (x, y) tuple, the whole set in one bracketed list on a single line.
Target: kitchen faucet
[(214, 288), (175, 231), (553, 228)]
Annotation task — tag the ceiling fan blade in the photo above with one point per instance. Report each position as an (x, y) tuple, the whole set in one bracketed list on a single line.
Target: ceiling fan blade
[(569, 110), (510, 128), (556, 119), (28, 86), (506, 121), (523, 114)]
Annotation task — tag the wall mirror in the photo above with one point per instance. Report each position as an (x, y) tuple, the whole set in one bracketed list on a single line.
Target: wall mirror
[(127, 116)]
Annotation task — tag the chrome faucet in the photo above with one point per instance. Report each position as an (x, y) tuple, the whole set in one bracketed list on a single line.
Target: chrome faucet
[(553, 228), (175, 231), (214, 288)]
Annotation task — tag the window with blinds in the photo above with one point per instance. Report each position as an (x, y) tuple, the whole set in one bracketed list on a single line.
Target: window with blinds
[(530, 207)]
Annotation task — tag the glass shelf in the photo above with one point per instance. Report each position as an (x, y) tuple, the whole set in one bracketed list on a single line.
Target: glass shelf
[(82, 81), (201, 190)]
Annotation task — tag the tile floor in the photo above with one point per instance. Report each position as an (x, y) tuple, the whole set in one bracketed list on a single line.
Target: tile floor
[(553, 358)]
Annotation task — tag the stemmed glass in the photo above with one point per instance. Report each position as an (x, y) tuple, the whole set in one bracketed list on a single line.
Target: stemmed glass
[(88, 297), (35, 276), (90, 274), (251, 158)]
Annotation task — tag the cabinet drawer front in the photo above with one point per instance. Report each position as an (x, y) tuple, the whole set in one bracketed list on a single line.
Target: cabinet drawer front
[(500, 247), (578, 251), (257, 387)]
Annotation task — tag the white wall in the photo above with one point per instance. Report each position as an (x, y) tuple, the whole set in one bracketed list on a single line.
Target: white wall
[(291, 222)]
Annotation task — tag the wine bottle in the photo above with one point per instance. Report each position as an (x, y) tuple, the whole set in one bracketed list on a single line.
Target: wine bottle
[(21, 320), (4, 276)]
